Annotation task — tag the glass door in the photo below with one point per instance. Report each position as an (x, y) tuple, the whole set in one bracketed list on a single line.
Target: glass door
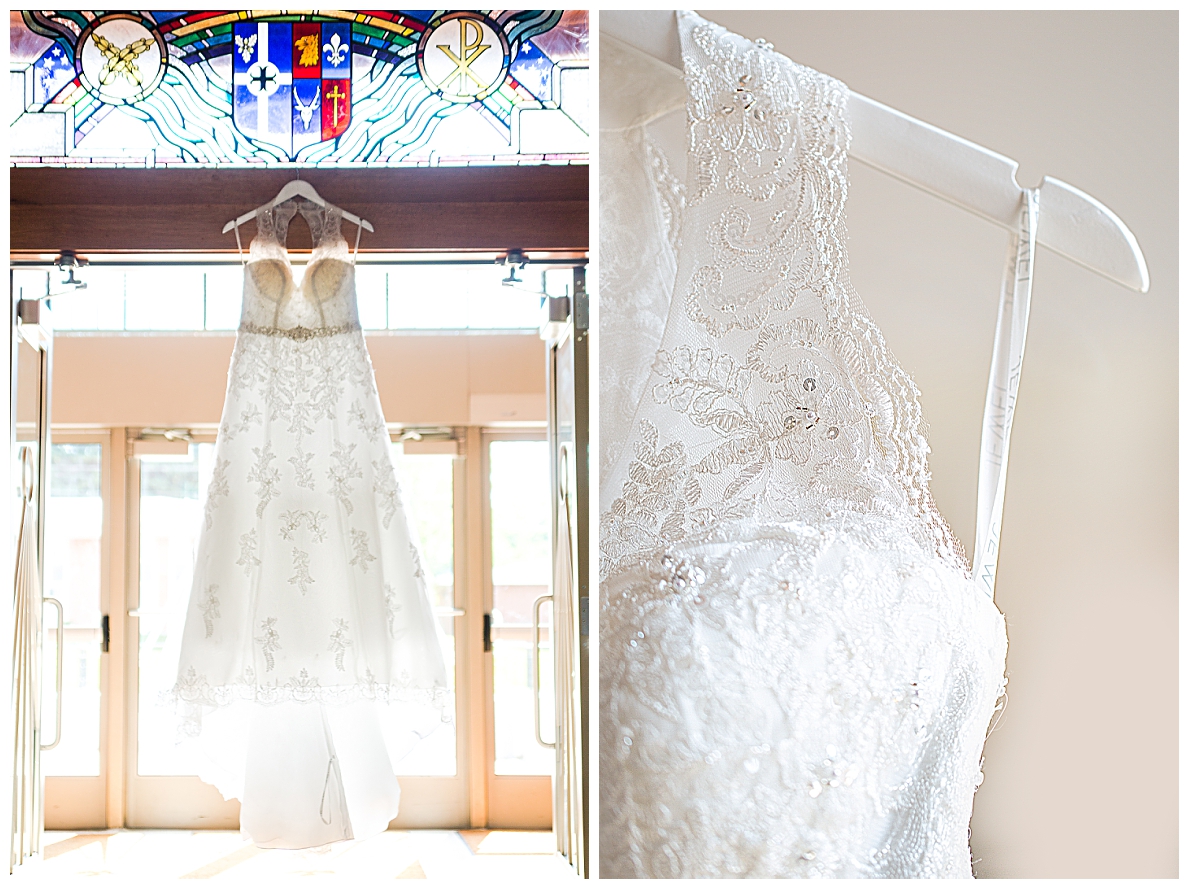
[(76, 560), (517, 633), (166, 494)]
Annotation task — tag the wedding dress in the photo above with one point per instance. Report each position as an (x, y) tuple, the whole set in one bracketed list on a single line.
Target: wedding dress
[(798, 665), (310, 660)]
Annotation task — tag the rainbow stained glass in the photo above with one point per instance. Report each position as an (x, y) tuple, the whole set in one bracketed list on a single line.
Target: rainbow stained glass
[(323, 88)]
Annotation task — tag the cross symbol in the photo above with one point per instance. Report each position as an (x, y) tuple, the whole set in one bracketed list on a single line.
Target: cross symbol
[(462, 65), (263, 78), (334, 95)]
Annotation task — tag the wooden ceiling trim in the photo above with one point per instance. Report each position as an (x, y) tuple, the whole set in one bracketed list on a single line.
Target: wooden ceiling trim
[(439, 209)]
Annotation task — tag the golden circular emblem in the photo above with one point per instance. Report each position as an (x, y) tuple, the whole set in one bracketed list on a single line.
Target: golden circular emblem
[(121, 58), (463, 56)]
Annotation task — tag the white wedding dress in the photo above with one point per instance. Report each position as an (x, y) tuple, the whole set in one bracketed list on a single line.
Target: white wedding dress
[(798, 666), (310, 661)]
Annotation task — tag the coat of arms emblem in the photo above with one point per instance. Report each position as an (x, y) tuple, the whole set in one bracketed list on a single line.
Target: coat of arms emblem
[(292, 82)]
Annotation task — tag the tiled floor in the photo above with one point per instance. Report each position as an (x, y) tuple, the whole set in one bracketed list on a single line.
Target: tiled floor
[(159, 857)]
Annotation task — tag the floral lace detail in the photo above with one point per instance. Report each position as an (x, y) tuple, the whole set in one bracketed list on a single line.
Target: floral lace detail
[(340, 474), (808, 410), (386, 488), (268, 478), (209, 608), (796, 672), (301, 571), (304, 476), (374, 427), (313, 519), (194, 688), (418, 571), (249, 417), (217, 490), (339, 643), (670, 191), (772, 699), (391, 607), (248, 545), (361, 555), (270, 641)]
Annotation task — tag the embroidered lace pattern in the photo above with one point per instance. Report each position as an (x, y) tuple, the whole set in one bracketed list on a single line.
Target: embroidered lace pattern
[(796, 673), (307, 584)]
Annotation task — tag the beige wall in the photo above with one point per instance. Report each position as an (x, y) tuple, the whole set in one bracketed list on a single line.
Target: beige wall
[(1082, 772), (180, 380)]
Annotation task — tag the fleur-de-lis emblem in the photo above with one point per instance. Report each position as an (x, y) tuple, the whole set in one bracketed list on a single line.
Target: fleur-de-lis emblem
[(245, 46), (335, 51)]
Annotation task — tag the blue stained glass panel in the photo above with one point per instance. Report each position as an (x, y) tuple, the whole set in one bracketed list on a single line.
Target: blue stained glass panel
[(321, 88)]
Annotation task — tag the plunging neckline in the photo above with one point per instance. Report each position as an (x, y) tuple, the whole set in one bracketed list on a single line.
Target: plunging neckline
[(297, 284)]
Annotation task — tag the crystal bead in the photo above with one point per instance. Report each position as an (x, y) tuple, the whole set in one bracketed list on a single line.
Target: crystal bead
[(815, 789), (627, 741), (808, 856), (810, 384), (832, 433), (790, 421), (727, 109), (752, 765), (745, 80)]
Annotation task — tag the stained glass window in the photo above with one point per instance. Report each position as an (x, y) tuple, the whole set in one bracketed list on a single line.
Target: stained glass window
[(325, 88)]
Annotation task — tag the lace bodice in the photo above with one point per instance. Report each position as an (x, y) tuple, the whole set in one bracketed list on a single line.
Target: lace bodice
[(323, 299), (797, 670)]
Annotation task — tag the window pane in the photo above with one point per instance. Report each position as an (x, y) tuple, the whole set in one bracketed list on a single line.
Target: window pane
[(520, 569), (393, 295), (74, 576), (371, 288), (163, 298), (170, 520), (98, 306), (427, 487), (224, 296)]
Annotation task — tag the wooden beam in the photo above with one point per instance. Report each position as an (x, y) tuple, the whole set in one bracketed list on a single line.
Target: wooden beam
[(427, 209)]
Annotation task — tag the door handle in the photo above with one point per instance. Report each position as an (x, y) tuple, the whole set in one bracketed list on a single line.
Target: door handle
[(536, 656), (61, 643)]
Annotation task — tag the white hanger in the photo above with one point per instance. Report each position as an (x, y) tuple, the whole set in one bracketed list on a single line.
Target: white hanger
[(979, 180), (297, 188)]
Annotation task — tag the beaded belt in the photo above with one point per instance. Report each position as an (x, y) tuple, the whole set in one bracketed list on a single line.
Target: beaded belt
[(299, 333)]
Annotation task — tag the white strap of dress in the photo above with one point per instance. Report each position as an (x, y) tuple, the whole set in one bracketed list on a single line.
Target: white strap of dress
[(1006, 359), (239, 245), (358, 233)]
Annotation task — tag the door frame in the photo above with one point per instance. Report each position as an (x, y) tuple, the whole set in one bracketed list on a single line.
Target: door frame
[(523, 802), (185, 802), (82, 800)]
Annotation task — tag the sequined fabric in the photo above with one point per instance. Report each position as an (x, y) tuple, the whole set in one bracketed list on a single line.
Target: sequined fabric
[(796, 671)]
